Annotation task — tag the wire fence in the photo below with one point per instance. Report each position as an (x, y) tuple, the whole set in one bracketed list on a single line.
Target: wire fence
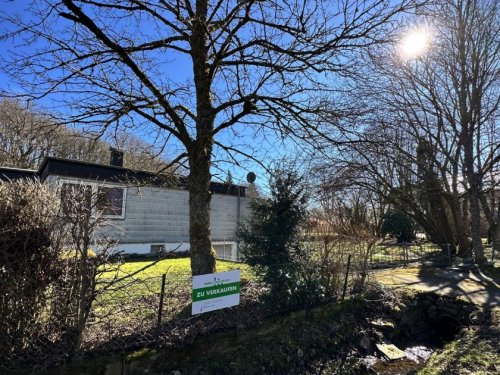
[(155, 311), (403, 254)]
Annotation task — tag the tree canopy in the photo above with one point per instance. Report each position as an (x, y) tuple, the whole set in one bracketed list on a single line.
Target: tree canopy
[(196, 74)]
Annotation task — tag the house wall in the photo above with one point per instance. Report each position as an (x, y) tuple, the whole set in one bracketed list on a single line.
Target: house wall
[(159, 215), (156, 215)]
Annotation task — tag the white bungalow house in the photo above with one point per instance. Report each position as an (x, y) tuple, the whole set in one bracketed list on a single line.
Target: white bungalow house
[(150, 212)]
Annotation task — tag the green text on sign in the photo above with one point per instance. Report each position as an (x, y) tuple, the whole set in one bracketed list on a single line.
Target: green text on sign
[(216, 291)]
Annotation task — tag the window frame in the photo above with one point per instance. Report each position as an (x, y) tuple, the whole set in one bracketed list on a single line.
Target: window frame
[(94, 189)]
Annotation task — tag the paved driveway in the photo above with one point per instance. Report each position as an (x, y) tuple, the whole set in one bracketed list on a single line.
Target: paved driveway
[(473, 286)]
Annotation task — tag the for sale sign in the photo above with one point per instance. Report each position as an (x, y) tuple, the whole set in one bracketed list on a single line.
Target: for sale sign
[(215, 291)]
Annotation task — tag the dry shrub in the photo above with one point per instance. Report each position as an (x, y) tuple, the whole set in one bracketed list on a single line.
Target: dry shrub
[(29, 262)]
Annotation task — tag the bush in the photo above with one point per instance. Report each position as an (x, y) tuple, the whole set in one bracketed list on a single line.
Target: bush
[(29, 261), (272, 242), (398, 224), (48, 273)]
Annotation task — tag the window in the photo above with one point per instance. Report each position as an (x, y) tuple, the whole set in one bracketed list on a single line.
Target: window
[(224, 250), (108, 201)]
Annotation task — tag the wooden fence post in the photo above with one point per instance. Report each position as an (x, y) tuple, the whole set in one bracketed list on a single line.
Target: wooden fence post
[(346, 276), (162, 295)]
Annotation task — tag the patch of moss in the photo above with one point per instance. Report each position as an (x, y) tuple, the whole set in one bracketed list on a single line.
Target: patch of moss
[(136, 355)]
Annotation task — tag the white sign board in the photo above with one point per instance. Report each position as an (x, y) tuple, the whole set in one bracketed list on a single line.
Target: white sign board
[(215, 291)]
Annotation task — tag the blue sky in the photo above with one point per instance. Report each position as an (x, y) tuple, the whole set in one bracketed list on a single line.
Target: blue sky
[(269, 147)]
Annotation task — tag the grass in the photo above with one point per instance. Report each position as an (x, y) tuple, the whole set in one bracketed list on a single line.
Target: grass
[(137, 297), (148, 280), (474, 351), (179, 266)]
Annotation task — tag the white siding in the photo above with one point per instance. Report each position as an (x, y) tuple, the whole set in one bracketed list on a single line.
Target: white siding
[(161, 216)]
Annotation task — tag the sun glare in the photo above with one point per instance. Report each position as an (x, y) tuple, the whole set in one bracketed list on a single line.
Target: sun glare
[(415, 44)]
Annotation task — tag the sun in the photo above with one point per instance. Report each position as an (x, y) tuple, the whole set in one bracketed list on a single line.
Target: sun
[(415, 44)]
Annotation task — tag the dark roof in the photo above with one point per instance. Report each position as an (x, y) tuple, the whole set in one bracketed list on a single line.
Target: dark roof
[(110, 173), (11, 174)]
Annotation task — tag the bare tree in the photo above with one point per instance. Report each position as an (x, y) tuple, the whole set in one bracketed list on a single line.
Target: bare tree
[(349, 223), (473, 63), (24, 135), (431, 123), (27, 135), (247, 65)]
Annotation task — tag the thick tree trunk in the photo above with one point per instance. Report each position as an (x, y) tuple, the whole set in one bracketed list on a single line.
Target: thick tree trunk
[(200, 150), (432, 229), (464, 250), (475, 214), (202, 258), (438, 214), (431, 197), (492, 214), (469, 105)]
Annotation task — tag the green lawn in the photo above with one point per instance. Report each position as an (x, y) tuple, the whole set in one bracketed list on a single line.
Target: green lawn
[(179, 266), (137, 297)]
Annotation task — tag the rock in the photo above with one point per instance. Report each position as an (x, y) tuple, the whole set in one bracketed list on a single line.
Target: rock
[(450, 311), (405, 320), (176, 372), (391, 351), (383, 323)]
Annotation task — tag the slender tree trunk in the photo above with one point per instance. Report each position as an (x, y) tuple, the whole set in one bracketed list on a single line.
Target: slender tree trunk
[(496, 238), (495, 231)]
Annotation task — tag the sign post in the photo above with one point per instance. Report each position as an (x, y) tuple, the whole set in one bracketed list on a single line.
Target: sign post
[(215, 291)]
